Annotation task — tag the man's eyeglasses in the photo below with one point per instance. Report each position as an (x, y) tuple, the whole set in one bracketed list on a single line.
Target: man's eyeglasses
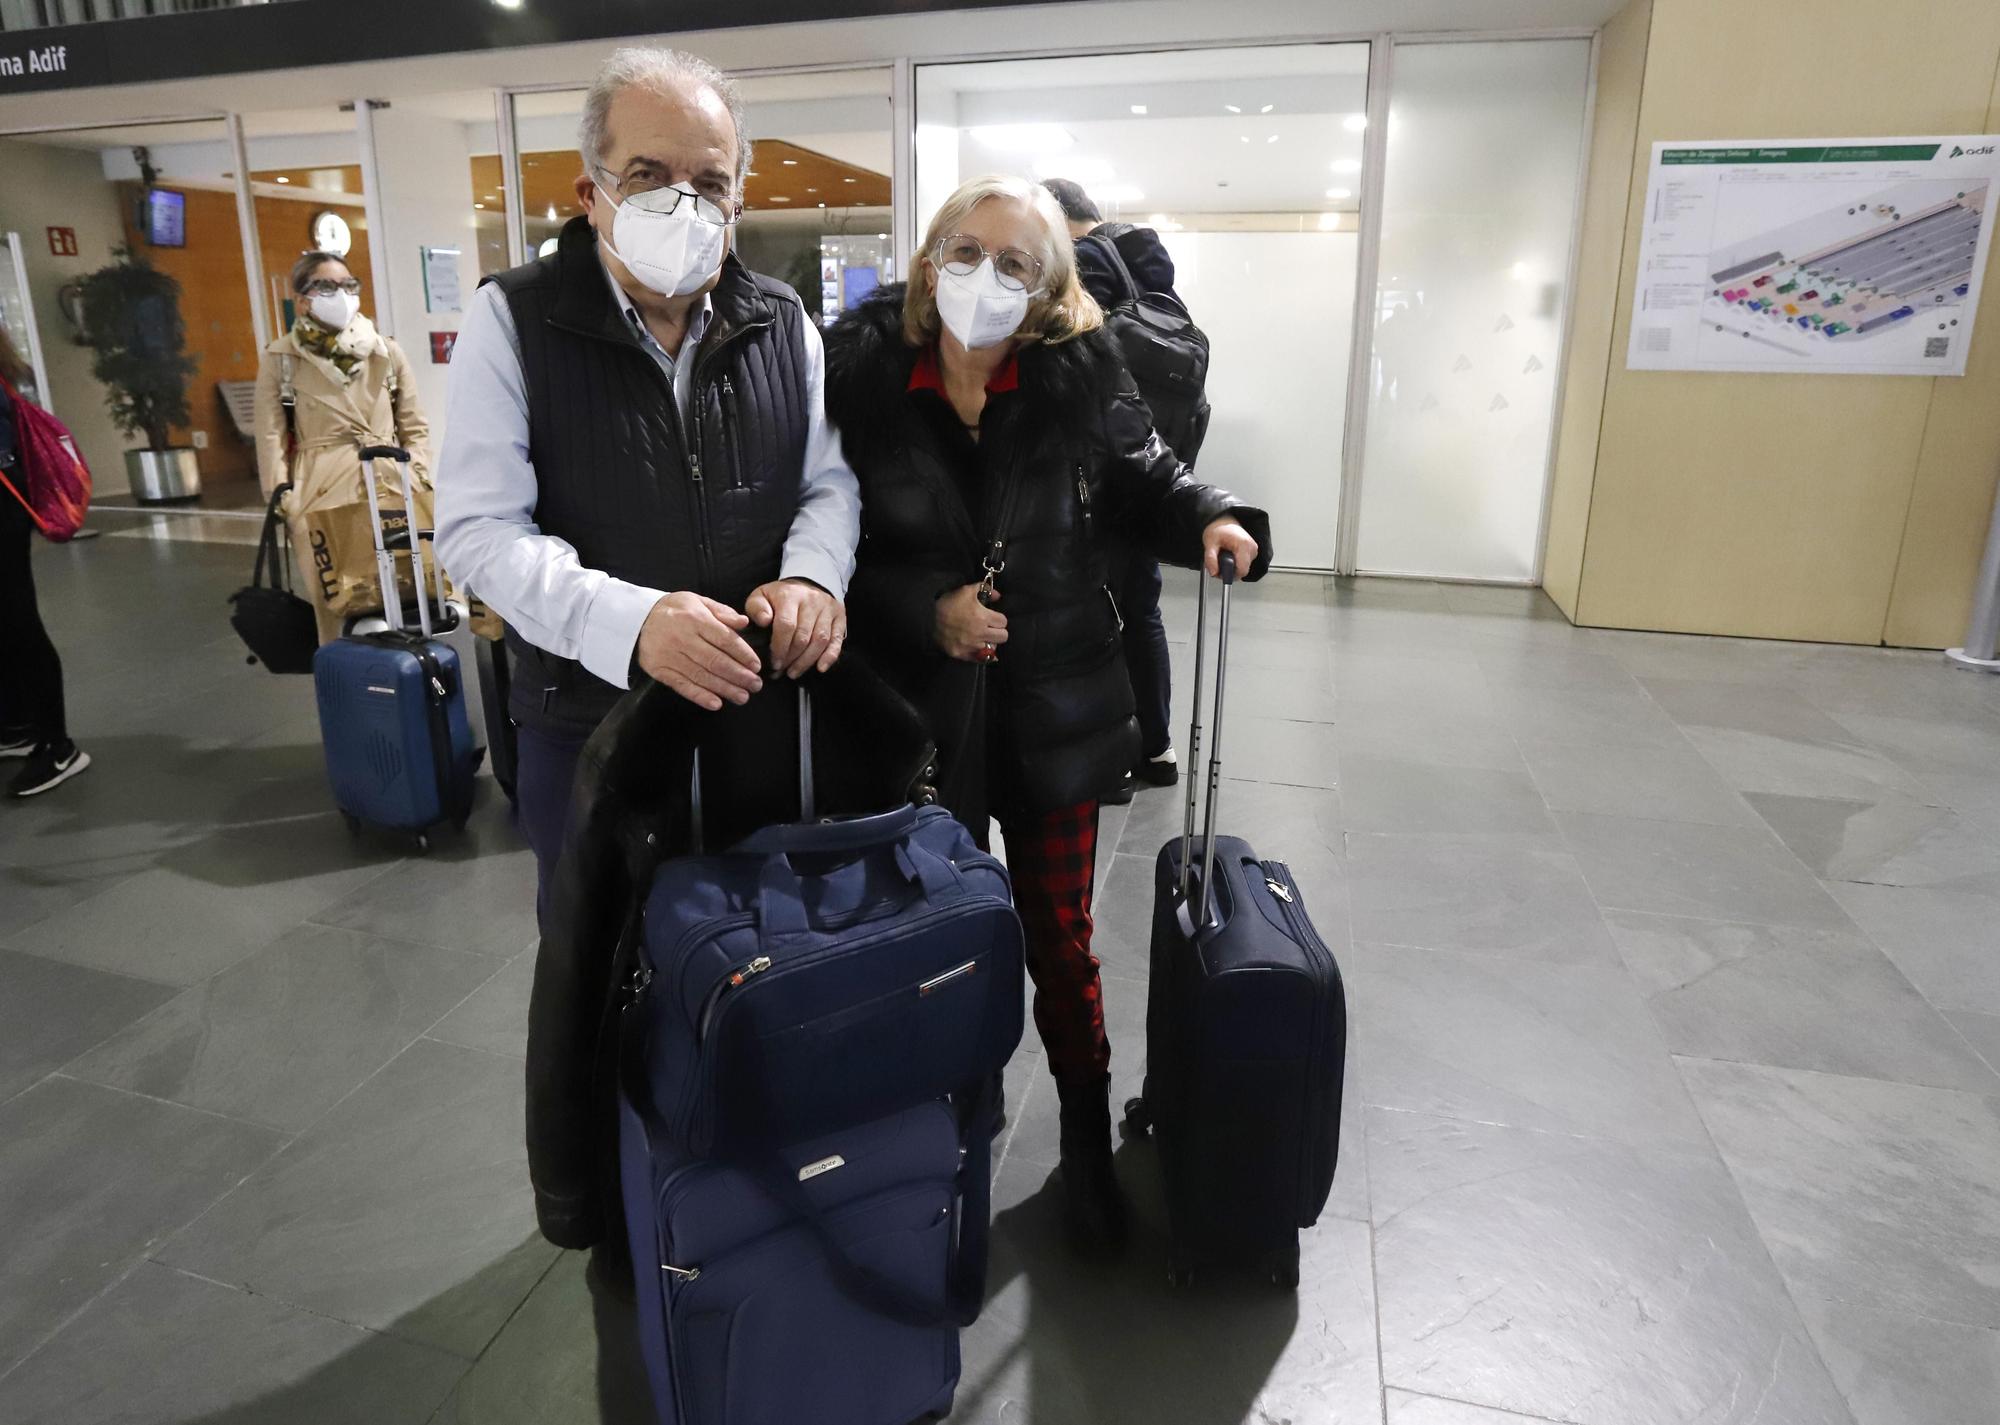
[(961, 254), (326, 287), (650, 195)]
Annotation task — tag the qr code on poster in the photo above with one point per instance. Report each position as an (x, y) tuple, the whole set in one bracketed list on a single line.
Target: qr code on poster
[(1936, 346)]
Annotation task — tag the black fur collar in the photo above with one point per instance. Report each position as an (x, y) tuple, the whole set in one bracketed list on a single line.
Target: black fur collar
[(868, 375)]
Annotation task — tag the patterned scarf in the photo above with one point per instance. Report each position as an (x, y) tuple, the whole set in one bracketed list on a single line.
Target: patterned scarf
[(346, 349)]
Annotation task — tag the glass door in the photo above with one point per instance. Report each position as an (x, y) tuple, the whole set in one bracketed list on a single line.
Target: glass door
[(17, 314), (1248, 163)]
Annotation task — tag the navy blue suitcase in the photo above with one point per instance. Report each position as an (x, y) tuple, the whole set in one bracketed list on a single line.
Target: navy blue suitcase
[(745, 1315), (399, 745), (810, 1049), (1246, 1037)]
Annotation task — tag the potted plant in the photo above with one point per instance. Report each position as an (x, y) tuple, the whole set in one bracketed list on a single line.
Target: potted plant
[(132, 324)]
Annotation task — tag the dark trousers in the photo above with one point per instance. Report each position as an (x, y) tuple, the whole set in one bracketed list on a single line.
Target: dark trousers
[(1146, 653), (31, 701), (1052, 860), (544, 772)]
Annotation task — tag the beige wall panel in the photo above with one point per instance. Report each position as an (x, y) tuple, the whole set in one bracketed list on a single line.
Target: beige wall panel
[(1956, 472), (1772, 506), (1621, 70)]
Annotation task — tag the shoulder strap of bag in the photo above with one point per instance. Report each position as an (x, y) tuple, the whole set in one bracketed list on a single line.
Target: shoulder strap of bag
[(288, 396), (1109, 248), (267, 544)]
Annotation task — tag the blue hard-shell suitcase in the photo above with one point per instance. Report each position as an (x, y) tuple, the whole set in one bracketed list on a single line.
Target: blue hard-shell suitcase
[(1246, 1038), (399, 745)]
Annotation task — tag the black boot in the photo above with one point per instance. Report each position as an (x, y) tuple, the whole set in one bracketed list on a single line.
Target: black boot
[(1094, 1208)]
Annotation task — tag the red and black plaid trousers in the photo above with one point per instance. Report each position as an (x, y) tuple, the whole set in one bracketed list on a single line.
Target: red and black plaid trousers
[(1053, 861)]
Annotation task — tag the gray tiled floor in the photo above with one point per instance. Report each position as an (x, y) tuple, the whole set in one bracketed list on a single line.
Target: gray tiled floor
[(1673, 1093)]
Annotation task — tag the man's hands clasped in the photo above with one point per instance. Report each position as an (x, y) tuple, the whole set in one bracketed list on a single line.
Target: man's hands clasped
[(694, 644)]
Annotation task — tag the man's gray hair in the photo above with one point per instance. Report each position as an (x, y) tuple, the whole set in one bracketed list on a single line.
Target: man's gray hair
[(664, 71)]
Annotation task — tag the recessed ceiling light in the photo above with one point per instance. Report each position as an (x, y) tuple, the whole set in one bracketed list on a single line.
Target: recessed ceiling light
[(1347, 165), (1329, 222), (552, 212), (1029, 137), (812, 190), (1246, 138), (1232, 108), (478, 205), (283, 179), (881, 237), (1338, 193), (779, 198), (508, 4), (1272, 139), (1354, 123), (1267, 108), (850, 180), (1138, 108)]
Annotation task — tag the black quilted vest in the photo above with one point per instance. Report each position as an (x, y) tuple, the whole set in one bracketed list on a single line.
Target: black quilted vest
[(706, 507)]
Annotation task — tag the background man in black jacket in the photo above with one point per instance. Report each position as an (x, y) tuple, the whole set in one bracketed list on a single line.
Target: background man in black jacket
[(1138, 579)]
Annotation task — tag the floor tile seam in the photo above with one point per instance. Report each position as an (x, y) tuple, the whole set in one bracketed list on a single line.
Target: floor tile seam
[(1430, 1393), (1741, 1063), (48, 959), (555, 1261), (1992, 1099), (139, 1259), (1983, 1327), (1778, 1273), (1665, 1142), (500, 957), (1681, 732), (1944, 1011), (1375, 1300), (235, 1118)]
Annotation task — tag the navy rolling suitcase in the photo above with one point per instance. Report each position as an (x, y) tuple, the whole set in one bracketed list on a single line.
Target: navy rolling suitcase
[(811, 1041), (399, 746), (1246, 1036)]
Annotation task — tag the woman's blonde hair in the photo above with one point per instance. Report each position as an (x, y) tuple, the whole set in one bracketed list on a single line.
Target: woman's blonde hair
[(1060, 311)]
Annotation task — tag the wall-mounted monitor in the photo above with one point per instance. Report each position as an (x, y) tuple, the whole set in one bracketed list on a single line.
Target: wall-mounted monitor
[(164, 215)]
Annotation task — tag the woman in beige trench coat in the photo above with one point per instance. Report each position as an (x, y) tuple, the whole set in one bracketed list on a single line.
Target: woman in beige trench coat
[(352, 387)]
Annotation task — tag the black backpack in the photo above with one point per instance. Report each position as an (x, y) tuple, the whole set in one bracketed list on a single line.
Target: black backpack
[(1166, 352)]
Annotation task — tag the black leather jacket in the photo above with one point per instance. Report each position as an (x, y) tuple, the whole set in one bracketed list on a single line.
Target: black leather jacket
[(1074, 465)]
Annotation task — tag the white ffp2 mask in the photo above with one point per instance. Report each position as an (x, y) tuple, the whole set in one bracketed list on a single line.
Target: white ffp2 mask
[(672, 253), (334, 310), (977, 308)]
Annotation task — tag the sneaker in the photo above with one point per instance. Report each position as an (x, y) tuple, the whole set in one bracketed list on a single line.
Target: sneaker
[(1161, 771), (15, 744), (49, 765)]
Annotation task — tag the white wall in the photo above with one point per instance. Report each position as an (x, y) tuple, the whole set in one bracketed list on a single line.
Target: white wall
[(1278, 309), (426, 202), (45, 187)]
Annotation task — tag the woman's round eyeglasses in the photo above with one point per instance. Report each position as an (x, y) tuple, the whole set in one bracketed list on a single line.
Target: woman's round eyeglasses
[(326, 287), (960, 255), (649, 195)]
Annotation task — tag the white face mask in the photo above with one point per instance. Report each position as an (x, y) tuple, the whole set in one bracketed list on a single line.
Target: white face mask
[(334, 310), (977, 309), (672, 253)]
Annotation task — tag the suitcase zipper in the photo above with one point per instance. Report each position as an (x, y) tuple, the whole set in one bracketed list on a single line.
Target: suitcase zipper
[(1278, 879)]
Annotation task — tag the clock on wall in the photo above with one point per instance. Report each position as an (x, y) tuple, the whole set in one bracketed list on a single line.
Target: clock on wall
[(330, 233)]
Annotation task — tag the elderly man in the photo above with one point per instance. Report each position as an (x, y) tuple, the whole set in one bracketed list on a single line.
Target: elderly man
[(637, 466)]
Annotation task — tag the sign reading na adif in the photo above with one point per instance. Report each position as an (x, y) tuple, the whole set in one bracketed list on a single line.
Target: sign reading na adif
[(44, 59)]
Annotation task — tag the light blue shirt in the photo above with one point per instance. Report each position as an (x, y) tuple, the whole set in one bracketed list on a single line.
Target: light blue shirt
[(486, 495)]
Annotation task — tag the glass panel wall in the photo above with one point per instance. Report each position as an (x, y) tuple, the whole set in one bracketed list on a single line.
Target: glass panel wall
[(1477, 223), (1247, 162), (816, 200)]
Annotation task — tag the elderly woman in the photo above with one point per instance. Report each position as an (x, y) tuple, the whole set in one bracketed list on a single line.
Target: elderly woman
[(1002, 448), (348, 386)]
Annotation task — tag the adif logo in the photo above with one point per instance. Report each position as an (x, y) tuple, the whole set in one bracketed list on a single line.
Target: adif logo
[(1957, 152)]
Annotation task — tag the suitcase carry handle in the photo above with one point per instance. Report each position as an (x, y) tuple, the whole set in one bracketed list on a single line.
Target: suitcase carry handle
[(1191, 921), (781, 899)]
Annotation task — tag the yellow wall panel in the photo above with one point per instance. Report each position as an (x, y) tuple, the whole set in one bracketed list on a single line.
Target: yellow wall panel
[(1956, 471), (1774, 506), (1621, 69)]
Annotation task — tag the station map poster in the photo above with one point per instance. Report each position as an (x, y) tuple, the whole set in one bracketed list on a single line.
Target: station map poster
[(1806, 255)]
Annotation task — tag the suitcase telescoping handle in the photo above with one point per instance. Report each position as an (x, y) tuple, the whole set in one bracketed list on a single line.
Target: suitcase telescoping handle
[(385, 562), (1193, 920)]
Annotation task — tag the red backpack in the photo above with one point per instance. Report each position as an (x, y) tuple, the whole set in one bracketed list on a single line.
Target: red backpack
[(55, 483)]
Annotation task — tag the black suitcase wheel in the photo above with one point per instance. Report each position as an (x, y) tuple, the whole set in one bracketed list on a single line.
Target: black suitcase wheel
[(1285, 1270), (1138, 1117), (1180, 1271), (423, 843)]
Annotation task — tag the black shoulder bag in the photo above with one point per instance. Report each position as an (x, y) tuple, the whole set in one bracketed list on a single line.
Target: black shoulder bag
[(275, 624)]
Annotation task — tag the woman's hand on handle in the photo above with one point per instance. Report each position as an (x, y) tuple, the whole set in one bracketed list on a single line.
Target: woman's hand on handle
[(966, 628), (1227, 533)]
